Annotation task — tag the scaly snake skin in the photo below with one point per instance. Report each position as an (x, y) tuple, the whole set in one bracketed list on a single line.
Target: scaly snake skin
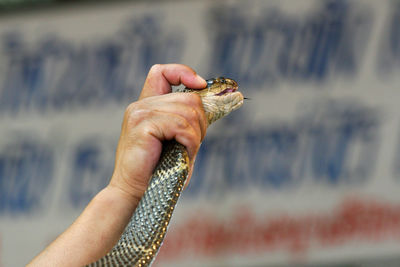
[(145, 232)]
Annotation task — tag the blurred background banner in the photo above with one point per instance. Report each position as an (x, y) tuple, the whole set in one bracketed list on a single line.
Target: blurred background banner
[(306, 173)]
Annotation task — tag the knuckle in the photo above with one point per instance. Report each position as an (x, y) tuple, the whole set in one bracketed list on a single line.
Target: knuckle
[(192, 114), (189, 138), (129, 108), (194, 138), (181, 122), (155, 68), (149, 128), (134, 114), (195, 99), (198, 106)]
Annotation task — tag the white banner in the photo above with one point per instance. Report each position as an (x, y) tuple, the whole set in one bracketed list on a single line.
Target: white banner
[(306, 172)]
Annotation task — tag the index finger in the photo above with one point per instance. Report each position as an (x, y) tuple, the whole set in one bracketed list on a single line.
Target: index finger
[(162, 76)]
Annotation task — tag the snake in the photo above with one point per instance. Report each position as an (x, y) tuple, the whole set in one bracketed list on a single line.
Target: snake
[(145, 232)]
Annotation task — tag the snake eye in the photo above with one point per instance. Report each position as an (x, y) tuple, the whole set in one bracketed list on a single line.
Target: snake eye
[(210, 82)]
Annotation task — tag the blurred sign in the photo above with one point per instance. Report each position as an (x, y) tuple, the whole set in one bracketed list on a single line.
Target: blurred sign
[(307, 171)]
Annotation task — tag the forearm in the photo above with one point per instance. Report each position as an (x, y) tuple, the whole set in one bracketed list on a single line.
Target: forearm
[(156, 117), (95, 231)]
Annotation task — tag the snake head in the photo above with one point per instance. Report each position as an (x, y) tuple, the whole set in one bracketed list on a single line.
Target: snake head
[(220, 97)]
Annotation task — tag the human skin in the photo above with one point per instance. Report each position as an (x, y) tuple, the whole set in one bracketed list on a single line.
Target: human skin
[(157, 116)]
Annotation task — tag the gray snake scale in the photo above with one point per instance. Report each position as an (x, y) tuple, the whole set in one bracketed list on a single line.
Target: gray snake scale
[(145, 232)]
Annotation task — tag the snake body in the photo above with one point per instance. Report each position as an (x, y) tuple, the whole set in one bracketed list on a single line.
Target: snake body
[(145, 232)]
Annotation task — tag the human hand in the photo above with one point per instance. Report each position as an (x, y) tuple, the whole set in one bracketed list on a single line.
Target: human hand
[(158, 115)]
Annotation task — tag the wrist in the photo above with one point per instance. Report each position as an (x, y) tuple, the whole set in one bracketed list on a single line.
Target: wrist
[(121, 197)]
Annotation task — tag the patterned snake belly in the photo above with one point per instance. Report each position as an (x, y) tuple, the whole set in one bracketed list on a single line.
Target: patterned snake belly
[(145, 232)]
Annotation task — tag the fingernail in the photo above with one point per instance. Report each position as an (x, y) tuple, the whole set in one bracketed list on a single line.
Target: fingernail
[(188, 178), (200, 78), (191, 167)]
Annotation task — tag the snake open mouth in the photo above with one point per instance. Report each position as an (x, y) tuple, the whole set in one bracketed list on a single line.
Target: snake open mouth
[(227, 90)]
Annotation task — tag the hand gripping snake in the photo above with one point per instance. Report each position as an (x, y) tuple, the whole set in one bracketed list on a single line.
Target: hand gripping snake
[(145, 232)]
